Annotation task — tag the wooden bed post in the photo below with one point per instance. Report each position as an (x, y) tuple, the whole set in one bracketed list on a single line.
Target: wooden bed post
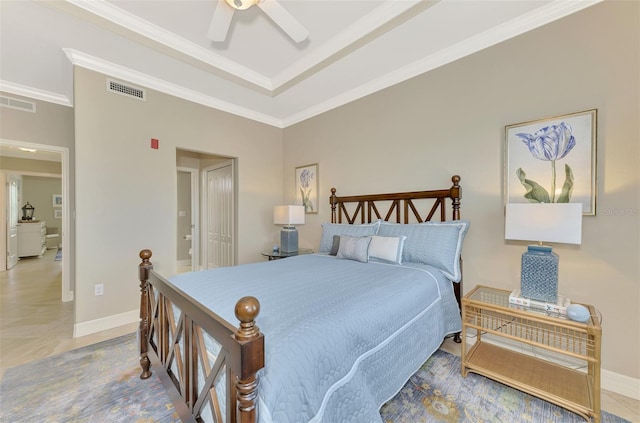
[(455, 196), (332, 201), (457, 287), (143, 333), (252, 341)]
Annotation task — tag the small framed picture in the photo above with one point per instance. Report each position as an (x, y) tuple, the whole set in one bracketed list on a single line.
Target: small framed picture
[(57, 213), (307, 187), (57, 200)]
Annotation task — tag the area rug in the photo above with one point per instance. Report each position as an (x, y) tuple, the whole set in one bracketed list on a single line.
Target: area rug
[(439, 393), (100, 383), (58, 255)]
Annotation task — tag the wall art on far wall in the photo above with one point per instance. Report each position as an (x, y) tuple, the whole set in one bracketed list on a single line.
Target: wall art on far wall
[(307, 187), (552, 160), (57, 200), (57, 214)]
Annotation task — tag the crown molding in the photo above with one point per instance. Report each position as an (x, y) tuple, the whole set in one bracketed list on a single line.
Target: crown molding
[(545, 14), (517, 26), (87, 61), (24, 91), (133, 23)]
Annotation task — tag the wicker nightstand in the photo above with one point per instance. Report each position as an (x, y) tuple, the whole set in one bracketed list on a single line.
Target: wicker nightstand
[(487, 310)]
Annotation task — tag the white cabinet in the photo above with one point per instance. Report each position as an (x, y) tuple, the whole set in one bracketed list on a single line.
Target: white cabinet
[(32, 238)]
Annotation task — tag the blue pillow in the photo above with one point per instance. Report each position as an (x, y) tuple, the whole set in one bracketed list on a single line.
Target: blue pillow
[(438, 244), (331, 229)]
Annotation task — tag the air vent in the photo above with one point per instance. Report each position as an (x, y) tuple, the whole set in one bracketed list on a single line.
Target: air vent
[(126, 90), (14, 103)]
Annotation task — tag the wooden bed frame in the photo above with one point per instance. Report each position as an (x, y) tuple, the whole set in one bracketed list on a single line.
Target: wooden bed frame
[(242, 348)]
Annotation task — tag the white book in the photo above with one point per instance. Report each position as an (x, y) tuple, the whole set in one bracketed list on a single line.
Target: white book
[(560, 306)]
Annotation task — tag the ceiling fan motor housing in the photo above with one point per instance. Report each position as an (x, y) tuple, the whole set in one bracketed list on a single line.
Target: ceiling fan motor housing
[(241, 4)]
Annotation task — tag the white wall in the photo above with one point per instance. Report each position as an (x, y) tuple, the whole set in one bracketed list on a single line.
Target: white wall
[(126, 191), (452, 120)]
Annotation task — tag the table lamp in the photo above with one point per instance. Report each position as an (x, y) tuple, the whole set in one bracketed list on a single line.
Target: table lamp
[(288, 216), (542, 222)]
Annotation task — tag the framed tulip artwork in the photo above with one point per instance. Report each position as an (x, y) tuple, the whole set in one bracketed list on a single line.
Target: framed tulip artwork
[(552, 160), (307, 187)]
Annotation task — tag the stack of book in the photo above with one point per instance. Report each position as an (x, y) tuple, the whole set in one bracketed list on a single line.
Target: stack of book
[(560, 306)]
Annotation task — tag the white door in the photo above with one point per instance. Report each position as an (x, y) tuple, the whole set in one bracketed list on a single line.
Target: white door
[(220, 216), (13, 206)]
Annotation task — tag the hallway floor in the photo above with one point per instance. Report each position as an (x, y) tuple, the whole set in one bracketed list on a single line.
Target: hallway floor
[(34, 323)]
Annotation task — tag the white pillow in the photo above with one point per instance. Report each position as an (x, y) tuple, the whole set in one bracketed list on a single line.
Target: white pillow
[(387, 248)]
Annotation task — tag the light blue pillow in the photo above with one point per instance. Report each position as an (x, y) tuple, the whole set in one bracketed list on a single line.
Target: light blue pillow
[(354, 248), (438, 244), (331, 229)]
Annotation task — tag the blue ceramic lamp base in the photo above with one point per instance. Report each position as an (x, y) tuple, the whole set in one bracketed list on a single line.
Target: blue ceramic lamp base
[(539, 275)]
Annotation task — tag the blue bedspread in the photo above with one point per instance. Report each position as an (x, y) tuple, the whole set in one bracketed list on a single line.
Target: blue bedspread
[(341, 337)]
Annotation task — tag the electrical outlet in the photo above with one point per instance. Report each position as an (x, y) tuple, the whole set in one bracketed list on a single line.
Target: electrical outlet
[(99, 289)]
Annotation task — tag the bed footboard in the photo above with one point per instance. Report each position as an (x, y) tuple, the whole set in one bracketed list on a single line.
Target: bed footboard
[(207, 365)]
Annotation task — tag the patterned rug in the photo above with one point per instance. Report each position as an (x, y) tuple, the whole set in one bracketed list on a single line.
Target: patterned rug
[(100, 383), (97, 383), (438, 393)]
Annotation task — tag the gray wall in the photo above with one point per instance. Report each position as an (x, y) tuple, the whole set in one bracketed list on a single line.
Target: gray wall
[(452, 120), (127, 192), (39, 191), (184, 222)]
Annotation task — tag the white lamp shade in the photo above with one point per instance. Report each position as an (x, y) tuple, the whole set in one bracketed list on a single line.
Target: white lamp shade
[(548, 222), (288, 215)]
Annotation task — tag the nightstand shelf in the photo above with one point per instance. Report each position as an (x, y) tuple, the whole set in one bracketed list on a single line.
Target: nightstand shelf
[(487, 311), (275, 255)]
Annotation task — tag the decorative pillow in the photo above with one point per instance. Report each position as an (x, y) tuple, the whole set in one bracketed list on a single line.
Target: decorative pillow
[(331, 229), (335, 245), (354, 248), (438, 244), (387, 248)]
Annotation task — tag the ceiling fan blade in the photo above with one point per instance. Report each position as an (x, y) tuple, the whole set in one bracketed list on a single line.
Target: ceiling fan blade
[(220, 22), (284, 20)]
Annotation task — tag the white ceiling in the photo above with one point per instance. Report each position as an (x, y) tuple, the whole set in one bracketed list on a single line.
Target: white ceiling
[(354, 48)]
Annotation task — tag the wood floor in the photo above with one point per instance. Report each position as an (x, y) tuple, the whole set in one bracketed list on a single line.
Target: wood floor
[(34, 324)]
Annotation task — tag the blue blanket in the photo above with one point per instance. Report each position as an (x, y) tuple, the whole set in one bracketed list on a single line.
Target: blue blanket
[(341, 337)]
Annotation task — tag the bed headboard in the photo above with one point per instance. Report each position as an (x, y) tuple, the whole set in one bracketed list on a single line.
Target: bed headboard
[(401, 206)]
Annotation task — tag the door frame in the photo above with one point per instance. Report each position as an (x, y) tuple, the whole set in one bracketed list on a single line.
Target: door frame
[(195, 215), (204, 212), (67, 263), (7, 180)]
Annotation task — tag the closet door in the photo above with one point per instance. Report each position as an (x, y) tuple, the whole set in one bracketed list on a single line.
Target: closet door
[(220, 216)]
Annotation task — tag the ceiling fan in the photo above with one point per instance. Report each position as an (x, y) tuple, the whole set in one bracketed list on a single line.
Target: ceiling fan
[(224, 12)]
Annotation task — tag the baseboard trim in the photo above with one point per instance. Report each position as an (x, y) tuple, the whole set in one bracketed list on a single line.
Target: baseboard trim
[(610, 381), (620, 384), (105, 323)]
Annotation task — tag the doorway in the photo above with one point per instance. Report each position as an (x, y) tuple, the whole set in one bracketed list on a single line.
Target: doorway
[(209, 181), (188, 239), (47, 153)]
